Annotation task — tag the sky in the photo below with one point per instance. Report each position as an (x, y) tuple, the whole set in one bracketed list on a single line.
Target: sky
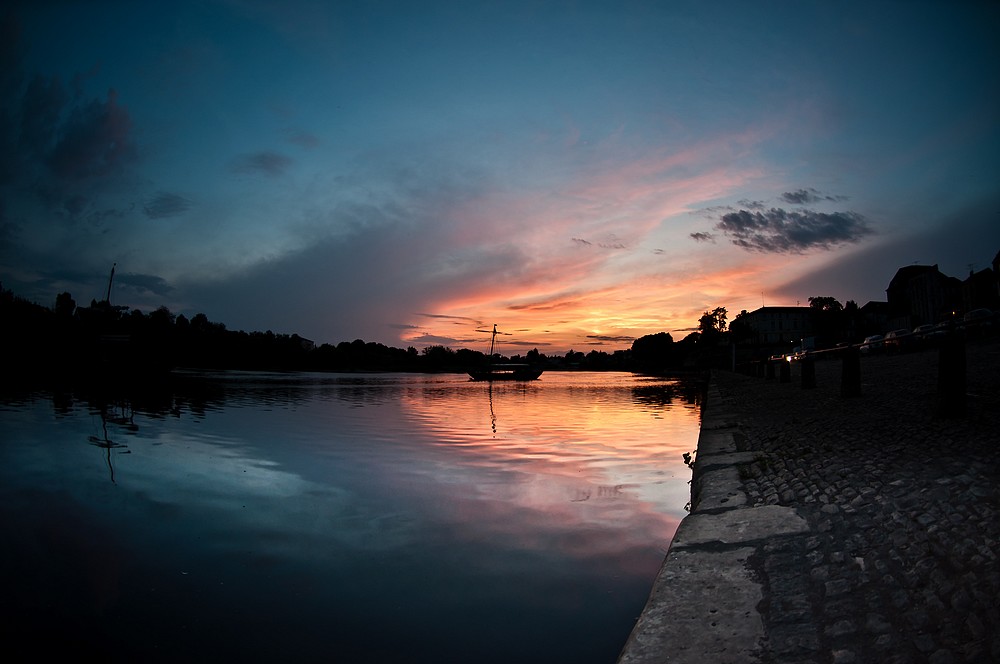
[(578, 173)]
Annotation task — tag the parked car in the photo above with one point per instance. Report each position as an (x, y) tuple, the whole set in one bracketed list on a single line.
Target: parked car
[(896, 340), (978, 321), (928, 333), (872, 343)]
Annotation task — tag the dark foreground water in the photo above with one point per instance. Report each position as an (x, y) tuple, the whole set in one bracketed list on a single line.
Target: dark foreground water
[(337, 518)]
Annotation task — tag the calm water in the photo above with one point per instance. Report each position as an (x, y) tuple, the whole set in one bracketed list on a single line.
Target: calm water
[(317, 517)]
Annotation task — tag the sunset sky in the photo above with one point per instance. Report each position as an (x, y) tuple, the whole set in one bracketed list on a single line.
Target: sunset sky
[(580, 173)]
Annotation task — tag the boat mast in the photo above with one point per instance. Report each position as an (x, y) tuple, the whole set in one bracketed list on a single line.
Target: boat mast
[(107, 298)]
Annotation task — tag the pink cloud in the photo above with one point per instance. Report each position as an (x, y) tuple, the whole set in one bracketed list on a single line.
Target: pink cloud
[(571, 241)]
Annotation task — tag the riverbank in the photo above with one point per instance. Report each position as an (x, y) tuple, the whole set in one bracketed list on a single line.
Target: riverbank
[(833, 529)]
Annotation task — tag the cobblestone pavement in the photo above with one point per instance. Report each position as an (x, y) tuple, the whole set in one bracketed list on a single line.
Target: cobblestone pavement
[(901, 561)]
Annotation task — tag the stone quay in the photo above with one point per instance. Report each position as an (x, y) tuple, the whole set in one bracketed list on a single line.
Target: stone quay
[(838, 524)]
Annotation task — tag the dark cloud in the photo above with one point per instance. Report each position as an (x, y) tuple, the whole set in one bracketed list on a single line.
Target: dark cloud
[(969, 235), (807, 196), (782, 231), (265, 163), (703, 237), (433, 340), (87, 279), (523, 343), (70, 205), (145, 283), (612, 243), (715, 211), (94, 141), (457, 320), (801, 197), (48, 129), (601, 339), (362, 280), (164, 204)]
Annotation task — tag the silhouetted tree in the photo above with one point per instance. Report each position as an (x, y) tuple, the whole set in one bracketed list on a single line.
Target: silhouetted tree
[(825, 304), (653, 352), (740, 331), (713, 322), (66, 339), (466, 358), (65, 305), (827, 317), (712, 333), (439, 358)]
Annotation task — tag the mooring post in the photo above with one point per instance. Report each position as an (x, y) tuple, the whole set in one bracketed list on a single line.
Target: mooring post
[(951, 375), (808, 371), (850, 376)]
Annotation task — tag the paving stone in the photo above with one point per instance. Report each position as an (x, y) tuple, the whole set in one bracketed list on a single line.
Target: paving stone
[(837, 587), (840, 628), (844, 657), (877, 623), (901, 557)]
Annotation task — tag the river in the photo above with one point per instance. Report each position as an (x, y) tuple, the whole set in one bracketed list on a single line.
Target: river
[(341, 518)]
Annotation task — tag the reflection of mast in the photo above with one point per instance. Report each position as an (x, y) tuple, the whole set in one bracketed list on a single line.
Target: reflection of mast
[(493, 417), (105, 442)]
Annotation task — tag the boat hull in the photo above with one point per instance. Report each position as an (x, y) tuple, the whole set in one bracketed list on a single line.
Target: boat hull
[(500, 372)]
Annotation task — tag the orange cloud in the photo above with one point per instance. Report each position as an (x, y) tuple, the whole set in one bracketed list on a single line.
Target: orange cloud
[(607, 254)]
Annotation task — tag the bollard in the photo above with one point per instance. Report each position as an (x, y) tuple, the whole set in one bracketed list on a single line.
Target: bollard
[(785, 372), (951, 376), (770, 369), (850, 376), (808, 371)]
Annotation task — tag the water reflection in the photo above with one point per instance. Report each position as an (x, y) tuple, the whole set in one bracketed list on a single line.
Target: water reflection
[(120, 416), (572, 452), (444, 519), (662, 394), (493, 415)]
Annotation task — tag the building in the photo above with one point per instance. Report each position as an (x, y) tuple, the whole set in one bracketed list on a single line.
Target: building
[(921, 294), (774, 326), (996, 272), (979, 291), (874, 318)]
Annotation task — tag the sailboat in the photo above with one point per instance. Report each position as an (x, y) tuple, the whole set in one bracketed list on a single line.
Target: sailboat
[(507, 371)]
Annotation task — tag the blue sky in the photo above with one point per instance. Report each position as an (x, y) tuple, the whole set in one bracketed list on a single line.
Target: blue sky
[(581, 173)]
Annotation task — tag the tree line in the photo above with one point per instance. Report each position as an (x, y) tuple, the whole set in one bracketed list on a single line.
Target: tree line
[(66, 339)]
